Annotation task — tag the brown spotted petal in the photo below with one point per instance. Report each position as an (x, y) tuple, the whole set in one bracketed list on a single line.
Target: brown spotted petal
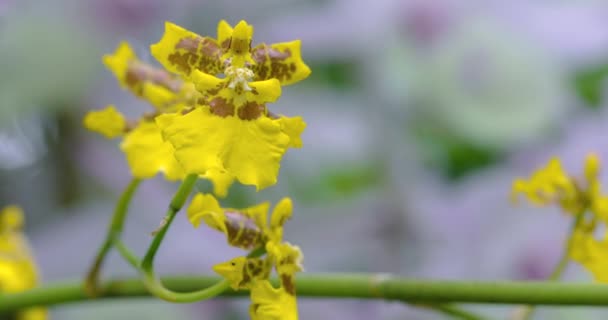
[(282, 61), (182, 51)]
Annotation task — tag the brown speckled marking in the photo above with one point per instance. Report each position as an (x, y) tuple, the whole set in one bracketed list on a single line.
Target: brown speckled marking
[(288, 283), (251, 111), (271, 63), (221, 107), (138, 73), (242, 231), (196, 52)]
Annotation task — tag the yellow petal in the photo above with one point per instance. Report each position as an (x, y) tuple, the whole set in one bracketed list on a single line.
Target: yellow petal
[(148, 154), (182, 51), (232, 270), (268, 302), (264, 91), (250, 151), (287, 257), (243, 272), (240, 44), (224, 32), (119, 61), (293, 127), (205, 207), (221, 179), (592, 167), (281, 213), (154, 85), (282, 61), (205, 82), (108, 122), (258, 213)]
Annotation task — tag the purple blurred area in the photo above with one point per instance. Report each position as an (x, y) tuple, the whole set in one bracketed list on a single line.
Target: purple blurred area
[(420, 114)]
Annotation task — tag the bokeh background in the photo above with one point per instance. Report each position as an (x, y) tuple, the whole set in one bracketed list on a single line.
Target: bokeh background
[(420, 113)]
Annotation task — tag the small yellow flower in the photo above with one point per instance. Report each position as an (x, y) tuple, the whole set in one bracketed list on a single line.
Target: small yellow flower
[(246, 228), (268, 302), (18, 270), (552, 185)]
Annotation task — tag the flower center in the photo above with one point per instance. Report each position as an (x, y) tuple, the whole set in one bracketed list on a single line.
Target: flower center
[(239, 78)]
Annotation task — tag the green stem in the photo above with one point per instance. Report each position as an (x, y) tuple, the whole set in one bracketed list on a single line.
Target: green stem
[(129, 256), (114, 232), (351, 286), (176, 204), (156, 287), (526, 312), (565, 258)]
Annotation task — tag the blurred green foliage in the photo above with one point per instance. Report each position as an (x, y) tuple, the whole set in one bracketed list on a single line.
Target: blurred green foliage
[(454, 157), (590, 83), (340, 74), (335, 182)]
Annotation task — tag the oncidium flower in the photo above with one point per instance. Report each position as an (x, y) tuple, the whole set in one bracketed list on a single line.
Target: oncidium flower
[(233, 130), (552, 185), (146, 151), (584, 200), (18, 270), (249, 228)]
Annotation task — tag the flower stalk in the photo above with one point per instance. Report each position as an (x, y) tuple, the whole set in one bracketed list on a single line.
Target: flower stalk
[(114, 233)]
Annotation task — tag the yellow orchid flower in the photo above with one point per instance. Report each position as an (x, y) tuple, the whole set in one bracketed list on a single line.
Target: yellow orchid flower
[(552, 185), (182, 51), (233, 130), (18, 270)]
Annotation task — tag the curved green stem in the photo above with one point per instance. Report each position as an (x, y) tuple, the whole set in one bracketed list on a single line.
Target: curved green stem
[(114, 232), (176, 204), (156, 287), (350, 286)]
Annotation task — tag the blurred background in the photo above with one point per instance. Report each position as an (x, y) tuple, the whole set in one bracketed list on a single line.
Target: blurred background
[(420, 114)]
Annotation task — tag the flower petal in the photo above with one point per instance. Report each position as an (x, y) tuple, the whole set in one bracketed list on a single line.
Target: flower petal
[(224, 33), (205, 207), (282, 61), (293, 127), (147, 153), (268, 302), (182, 51), (108, 122), (221, 179), (251, 151), (240, 44)]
